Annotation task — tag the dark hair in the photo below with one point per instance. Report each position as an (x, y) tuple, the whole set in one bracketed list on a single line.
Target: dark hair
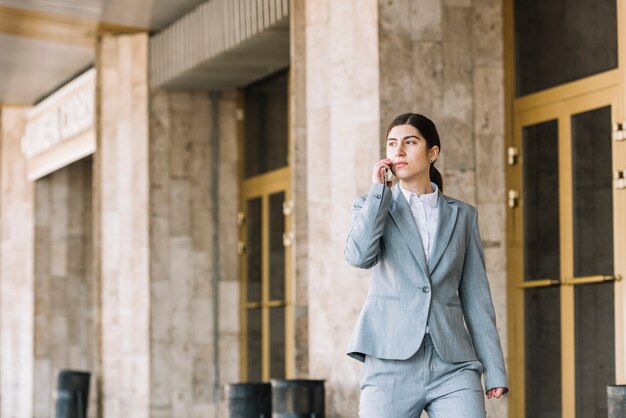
[(428, 130)]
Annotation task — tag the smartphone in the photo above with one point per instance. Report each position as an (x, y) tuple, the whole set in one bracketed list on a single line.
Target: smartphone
[(388, 175)]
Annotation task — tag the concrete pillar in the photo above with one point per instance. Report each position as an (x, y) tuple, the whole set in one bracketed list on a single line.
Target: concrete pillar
[(342, 129), (16, 270), (121, 224), (444, 59)]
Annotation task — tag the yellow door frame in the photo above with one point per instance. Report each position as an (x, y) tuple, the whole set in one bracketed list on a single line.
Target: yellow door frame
[(558, 104), (536, 108), (262, 186)]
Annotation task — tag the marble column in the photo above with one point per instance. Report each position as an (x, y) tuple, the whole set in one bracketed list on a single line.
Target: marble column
[(121, 224), (16, 270), (342, 130), (444, 59)]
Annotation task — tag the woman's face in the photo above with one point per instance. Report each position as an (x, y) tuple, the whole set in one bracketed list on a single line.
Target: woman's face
[(408, 151)]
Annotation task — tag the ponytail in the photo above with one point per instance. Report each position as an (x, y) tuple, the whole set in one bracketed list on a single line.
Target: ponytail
[(436, 177)]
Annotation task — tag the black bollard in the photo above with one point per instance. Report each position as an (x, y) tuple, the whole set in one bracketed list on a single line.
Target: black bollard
[(616, 398), (249, 400), (292, 398), (72, 394)]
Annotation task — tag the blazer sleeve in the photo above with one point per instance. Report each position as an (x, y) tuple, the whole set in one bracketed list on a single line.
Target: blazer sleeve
[(479, 313), (369, 216)]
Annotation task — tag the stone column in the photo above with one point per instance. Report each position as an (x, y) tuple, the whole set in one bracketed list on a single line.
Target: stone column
[(444, 59), (342, 129), (16, 270), (121, 224)]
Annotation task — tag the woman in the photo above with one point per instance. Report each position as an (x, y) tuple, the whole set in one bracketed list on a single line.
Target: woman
[(427, 330)]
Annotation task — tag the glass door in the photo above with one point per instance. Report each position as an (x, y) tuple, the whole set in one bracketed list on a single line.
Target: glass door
[(563, 250), (264, 249), (265, 236)]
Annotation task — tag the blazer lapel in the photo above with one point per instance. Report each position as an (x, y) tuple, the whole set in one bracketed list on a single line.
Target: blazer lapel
[(445, 226), (401, 214)]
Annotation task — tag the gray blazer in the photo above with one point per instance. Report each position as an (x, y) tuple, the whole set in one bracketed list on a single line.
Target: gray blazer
[(408, 292)]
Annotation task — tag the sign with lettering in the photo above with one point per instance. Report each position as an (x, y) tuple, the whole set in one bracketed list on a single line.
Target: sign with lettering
[(61, 129)]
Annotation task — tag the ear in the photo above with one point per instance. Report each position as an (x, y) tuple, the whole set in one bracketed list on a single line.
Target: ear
[(434, 153)]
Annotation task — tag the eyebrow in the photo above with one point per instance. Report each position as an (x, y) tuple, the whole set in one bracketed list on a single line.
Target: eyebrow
[(406, 137)]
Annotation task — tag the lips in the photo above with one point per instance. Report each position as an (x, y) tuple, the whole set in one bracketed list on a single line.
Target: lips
[(400, 164)]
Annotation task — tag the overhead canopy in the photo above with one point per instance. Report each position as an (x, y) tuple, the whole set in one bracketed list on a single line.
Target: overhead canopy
[(222, 44), (46, 43)]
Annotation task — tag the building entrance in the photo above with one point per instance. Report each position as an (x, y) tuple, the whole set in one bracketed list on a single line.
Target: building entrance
[(265, 237), (564, 252), (565, 223)]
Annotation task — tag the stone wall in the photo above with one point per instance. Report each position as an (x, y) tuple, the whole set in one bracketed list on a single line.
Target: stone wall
[(342, 130), (16, 270), (189, 288), (121, 225), (64, 336), (298, 163), (444, 59), (228, 260), (181, 318)]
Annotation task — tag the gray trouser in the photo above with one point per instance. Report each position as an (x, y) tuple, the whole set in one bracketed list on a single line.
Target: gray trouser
[(403, 388)]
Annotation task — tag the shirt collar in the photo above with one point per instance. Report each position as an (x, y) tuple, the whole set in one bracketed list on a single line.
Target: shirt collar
[(429, 199)]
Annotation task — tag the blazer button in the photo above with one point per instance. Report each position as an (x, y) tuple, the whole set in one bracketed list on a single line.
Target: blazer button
[(425, 289), (378, 196)]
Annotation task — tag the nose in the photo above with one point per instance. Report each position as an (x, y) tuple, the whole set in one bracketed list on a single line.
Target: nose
[(400, 150)]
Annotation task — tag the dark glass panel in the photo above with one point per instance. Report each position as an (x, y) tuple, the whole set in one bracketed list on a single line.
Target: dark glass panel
[(593, 255), (253, 348), (277, 342), (543, 353), (277, 249), (541, 201), (593, 193), (253, 253), (266, 125), (558, 41), (595, 348)]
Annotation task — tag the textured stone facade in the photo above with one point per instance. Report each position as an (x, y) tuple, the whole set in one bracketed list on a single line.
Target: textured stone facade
[(298, 162), (182, 321), (64, 337), (437, 57), (122, 225), (16, 270), (444, 59), (228, 267), (163, 305), (342, 125), (190, 290)]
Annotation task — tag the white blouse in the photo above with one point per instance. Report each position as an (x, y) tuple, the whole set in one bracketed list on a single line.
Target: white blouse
[(425, 213)]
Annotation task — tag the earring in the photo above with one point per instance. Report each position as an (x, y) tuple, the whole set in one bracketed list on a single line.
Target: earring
[(432, 161)]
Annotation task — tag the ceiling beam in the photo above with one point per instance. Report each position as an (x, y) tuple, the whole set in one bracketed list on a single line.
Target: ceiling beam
[(53, 27)]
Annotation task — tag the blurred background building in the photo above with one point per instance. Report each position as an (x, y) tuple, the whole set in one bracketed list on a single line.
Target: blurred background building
[(177, 178)]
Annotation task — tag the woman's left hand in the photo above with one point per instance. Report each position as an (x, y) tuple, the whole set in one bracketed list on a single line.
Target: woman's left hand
[(497, 392)]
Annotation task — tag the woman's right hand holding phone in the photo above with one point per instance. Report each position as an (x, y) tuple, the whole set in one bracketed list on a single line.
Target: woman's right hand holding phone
[(378, 174)]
